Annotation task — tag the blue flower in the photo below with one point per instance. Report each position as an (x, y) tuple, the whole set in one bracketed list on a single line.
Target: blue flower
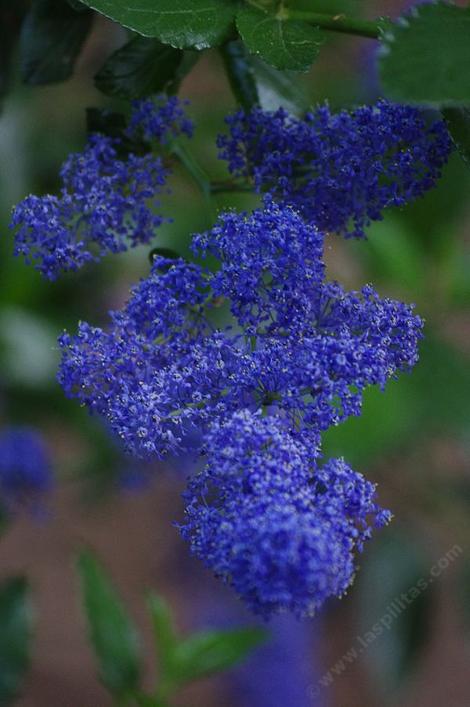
[(264, 517), (25, 468), (107, 201), (159, 119), (342, 170), (301, 346)]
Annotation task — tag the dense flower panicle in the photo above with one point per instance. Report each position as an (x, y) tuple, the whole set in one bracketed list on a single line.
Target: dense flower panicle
[(264, 256), (254, 395), (308, 349), (339, 170), (161, 120), (107, 202), (25, 469), (266, 519), (122, 373)]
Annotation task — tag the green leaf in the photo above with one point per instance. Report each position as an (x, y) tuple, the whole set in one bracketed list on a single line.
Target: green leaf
[(184, 24), (278, 88), (11, 16), (213, 651), (285, 44), (114, 638), (101, 120), (240, 73), (142, 67), (458, 123), (51, 39), (426, 56), (15, 636), (164, 634)]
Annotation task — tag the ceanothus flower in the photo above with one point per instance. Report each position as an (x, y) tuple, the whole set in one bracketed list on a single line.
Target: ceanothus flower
[(264, 256), (300, 345), (108, 199), (253, 395), (25, 468), (264, 517), (160, 120), (340, 171), (120, 374)]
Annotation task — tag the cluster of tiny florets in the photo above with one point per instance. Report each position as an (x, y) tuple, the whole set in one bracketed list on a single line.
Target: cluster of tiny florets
[(25, 469), (270, 521), (251, 398), (263, 513), (339, 170), (108, 198), (154, 120)]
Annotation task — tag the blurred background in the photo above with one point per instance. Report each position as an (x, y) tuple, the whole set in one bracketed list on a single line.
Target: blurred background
[(414, 439)]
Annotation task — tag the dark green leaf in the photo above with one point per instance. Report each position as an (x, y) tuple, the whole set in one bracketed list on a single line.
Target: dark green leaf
[(458, 123), (11, 15), (285, 44), (240, 73), (190, 58), (51, 38), (77, 5), (140, 68), (278, 88), (213, 651), (15, 636), (396, 603), (426, 56), (184, 24), (112, 633), (105, 121)]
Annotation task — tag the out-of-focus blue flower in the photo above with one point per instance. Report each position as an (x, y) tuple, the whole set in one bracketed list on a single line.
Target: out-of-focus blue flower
[(107, 201), (340, 171), (282, 671), (25, 468), (160, 120)]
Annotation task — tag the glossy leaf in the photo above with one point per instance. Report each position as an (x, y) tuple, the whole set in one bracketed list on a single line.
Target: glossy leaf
[(112, 633), (184, 24), (51, 39), (458, 123), (15, 636), (426, 56), (142, 67), (285, 44)]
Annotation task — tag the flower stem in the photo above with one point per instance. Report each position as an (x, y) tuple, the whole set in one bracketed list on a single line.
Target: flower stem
[(338, 23)]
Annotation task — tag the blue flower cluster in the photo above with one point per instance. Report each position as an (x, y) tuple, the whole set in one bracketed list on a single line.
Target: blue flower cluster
[(159, 121), (251, 397), (263, 513), (108, 200), (267, 519), (25, 468), (339, 170)]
